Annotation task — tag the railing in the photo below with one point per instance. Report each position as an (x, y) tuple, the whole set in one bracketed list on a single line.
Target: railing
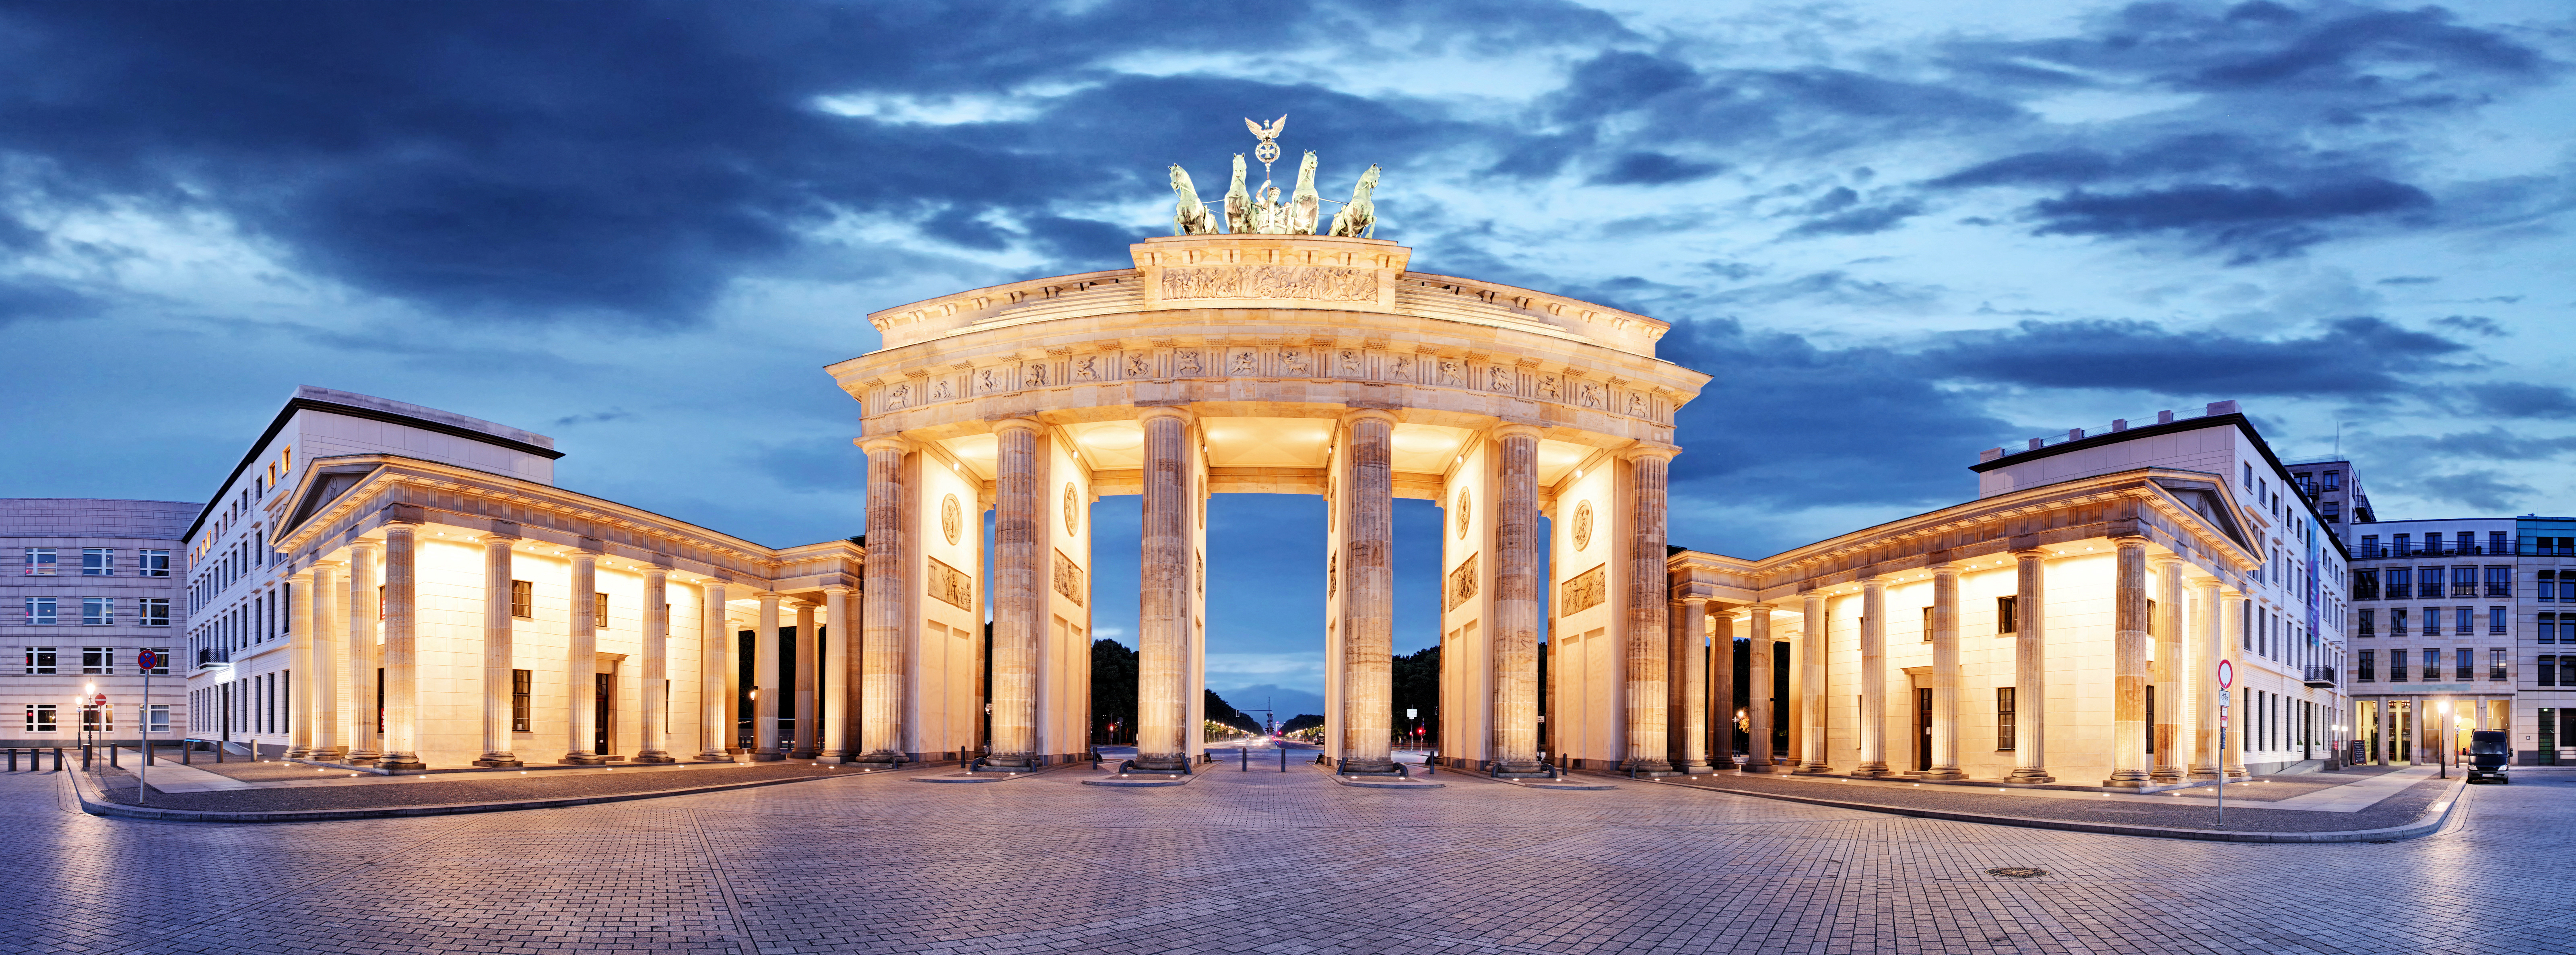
[(2117, 425), (2367, 551), (2321, 677)]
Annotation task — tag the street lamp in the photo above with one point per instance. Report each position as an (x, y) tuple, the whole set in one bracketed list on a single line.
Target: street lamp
[(2443, 755)]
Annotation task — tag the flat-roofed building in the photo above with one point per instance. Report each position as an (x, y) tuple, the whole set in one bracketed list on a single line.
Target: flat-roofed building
[(94, 584)]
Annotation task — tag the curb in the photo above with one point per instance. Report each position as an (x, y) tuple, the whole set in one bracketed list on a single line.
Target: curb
[(95, 803), (2425, 824)]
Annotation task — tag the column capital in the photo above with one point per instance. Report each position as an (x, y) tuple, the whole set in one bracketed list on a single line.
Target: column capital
[(2130, 540), (1729, 613), (1878, 581), (1949, 568), (769, 596), (1357, 415), (1687, 601), (839, 590), (2165, 559), (1760, 608), (1152, 412), (1017, 424), (874, 444), (1646, 449), (1514, 429)]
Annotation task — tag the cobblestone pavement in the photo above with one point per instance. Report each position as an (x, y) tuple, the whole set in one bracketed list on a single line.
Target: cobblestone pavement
[(1263, 862), (2247, 802)]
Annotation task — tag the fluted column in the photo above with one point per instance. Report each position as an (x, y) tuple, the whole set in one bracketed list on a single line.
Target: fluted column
[(330, 643), (888, 583), (1721, 686), (1873, 679), (1691, 658), (299, 648), (2167, 763), (402, 621), (1760, 707), (581, 661), (836, 674), (1647, 669), (1811, 708), (655, 747), (715, 659), (765, 691), (1019, 593), (2200, 681), (2129, 664), (1515, 608), (1368, 593), (498, 652), (365, 619), (2030, 668), (809, 666), (2231, 646), (1945, 674)]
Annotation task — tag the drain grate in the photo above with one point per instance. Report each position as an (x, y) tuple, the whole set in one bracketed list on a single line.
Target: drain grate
[(2018, 871)]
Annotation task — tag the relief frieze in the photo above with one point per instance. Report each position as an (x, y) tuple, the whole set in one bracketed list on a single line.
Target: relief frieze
[(1311, 282), (949, 586), (1068, 577), (1583, 592)]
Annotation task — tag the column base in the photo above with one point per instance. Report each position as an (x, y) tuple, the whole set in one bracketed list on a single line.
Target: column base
[(715, 756), (2204, 773), (297, 754), (1811, 769), (499, 760), (767, 756), (328, 754), (1870, 771), (2029, 774), (362, 758), (583, 759), (1940, 774), (2127, 779), (401, 762), (802, 753), (1688, 768), (1013, 762), (2165, 774), (1358, 767), (654, 756)]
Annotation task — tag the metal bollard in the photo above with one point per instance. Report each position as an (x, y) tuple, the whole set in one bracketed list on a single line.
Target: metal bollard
[(111, 756), (58, 759), (186, 747), (219, 751), (13, 759), (1246, 753), (84, 757), (1283, 759)]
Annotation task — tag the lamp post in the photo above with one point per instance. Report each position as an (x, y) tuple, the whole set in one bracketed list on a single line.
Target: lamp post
[(2443, 755)]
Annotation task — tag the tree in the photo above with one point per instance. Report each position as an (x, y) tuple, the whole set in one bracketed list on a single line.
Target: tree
[(1221, 712), (1417, 687), (1301, 721), (1113, 692)]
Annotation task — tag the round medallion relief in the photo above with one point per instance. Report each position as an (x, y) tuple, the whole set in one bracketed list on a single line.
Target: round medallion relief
[(1582, 526), (1465, 507), (1072, 516), (952, 519)]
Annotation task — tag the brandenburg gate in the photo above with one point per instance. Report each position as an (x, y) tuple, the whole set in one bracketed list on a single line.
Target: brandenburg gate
[(1274, 361)]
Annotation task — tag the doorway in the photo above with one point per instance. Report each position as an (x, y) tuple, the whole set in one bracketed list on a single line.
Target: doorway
[(603, 709), (1923, 728)]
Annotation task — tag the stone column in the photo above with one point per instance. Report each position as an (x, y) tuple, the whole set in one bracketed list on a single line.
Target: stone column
[(1647, 669), (2129, 665), (1945, 673), (1019, 593), (1368, 593), (402, 621), (881, 656), (1515, 606), (1690, 655), (365, 618), (299, 649), (2200, 682), (1811, 709), (809, 667), (1721, 687), (2167, 764), (715, 659), (2231, 646), (836, 674), (1873, 678), (1760, 706), (655, 747), (2030, 668), (498, 652), (2383, 745), (581, 660), (765, 691), (329, 643)]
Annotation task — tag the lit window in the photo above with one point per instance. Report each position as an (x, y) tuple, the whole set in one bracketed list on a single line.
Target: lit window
[(40, 718), (98, 611), (40, 661), (40, 562), (152, 563), (40, 611), (2495, 664), (153, 612), (523, 599), (98, 661)]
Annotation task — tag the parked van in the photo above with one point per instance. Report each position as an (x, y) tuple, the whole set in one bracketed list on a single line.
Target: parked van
[(2488, 756)]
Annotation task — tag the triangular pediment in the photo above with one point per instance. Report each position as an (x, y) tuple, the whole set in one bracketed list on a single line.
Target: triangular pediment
[(321, 487), (2209, 500)]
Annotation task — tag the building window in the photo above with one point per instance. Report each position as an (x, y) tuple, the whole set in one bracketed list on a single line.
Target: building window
[(153, 612), (2567, 587), (161, 654), (2365, 585), (98, 611), (2369, 621), (2548, 670), (2496, 621), (98, 562), (40, 661), (2369, 666), (2307, 482), (2401, 583), (2463, 660), (2007, 617), (2465, 542), (2548, 588), (2334, 512), (40, 611), (2432, 665), (96, 719), (599, 611), (151, 563), (522, 687), (2370, 547), (2004, 716), (160, 721), (2567, 669), (2464, 582), (2495, 664), (2500, 581), (40, 718), (40, 562), (523, 599), (2402, 544), (2464, 621), (2333, 480), (2548, 628), (100, 661), (2396, 666)]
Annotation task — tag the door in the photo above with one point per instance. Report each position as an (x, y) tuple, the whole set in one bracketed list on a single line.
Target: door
[(603, 697), (1923, 728)]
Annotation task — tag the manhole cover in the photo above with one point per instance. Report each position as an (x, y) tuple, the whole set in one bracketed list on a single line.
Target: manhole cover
[(2018, 871)]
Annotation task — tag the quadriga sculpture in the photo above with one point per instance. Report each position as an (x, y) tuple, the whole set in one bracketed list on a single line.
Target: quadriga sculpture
[(1358, 218), (1191, 217)]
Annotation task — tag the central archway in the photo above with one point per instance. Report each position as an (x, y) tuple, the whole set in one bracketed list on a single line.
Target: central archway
[(1265, 364)]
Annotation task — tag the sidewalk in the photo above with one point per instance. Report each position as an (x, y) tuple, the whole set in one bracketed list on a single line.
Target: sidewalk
[(290, 792), (2349, 806)]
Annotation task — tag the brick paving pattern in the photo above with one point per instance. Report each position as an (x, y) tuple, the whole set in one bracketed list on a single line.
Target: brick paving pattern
[(1260, 862), (2178, 809)]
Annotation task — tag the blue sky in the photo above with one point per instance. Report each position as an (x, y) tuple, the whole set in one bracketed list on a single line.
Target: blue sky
[(1896, 233)]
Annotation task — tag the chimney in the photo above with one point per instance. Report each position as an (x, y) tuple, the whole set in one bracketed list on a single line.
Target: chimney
[(2223, 407)]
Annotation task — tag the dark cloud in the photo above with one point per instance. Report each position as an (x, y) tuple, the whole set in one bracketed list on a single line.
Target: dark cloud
[(1652, 169), (2362, 359), (29, 299), (2408, 280), (2481, 490), (595, 417), (2249, 223), (1861, 221), (2515, 399), (1833, 287), (2478, 324), (2493, 444)]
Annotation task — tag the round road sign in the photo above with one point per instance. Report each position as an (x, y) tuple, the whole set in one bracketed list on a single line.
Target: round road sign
[(101, 700), (2226, 674), (146, 659)]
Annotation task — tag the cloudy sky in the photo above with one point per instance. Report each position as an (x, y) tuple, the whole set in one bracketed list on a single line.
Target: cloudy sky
[(1896, 232)]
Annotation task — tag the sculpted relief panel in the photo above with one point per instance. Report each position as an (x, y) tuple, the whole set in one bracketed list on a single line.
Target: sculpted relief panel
[(1462, 583), (1068, 580), (950, 587), (1583, 592), (1320, 283)]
